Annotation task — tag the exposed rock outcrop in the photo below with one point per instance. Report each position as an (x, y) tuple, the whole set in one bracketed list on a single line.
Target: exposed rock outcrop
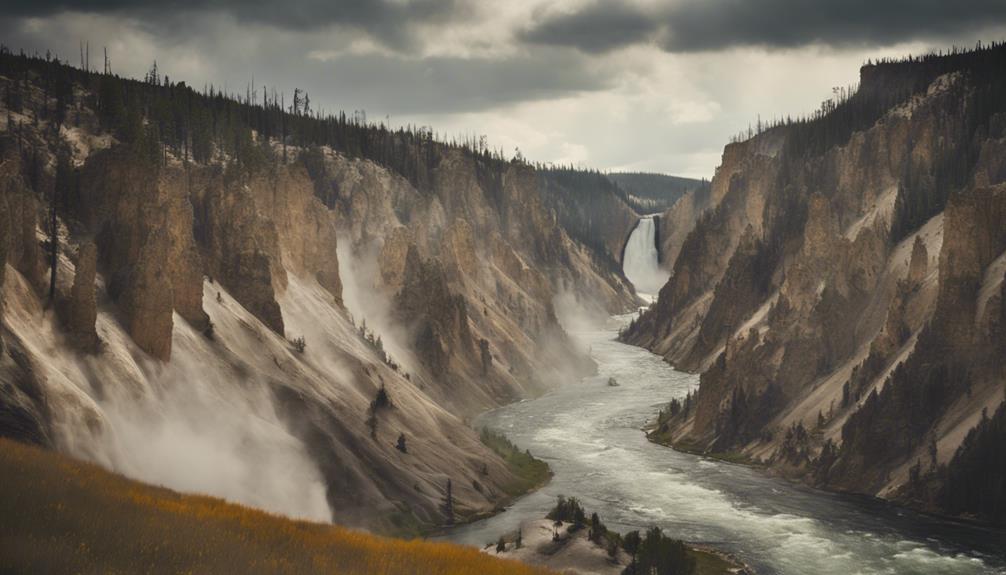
[(241, 246), (477, 242), (438, 318), (831, 341), (82, 308), (234, 229)]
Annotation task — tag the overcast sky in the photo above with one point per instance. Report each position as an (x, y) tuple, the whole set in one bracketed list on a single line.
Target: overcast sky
[(648, 85)]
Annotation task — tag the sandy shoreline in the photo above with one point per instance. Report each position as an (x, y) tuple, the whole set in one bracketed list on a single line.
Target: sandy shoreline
[(573, 552)]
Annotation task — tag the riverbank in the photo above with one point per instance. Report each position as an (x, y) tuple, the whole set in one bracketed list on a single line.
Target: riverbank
[(800, 476), (589, 434), (530, 474), (654, 436), (570, 550)]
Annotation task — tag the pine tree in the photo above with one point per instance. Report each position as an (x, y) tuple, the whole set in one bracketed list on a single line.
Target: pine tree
[(631, 543), (448, 505)]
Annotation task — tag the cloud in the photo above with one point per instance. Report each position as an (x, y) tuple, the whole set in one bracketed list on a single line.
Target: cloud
[(439, 85), (711, 25), (217, 50), (644, 84), (716, 24), (598, 27), (392, 22)]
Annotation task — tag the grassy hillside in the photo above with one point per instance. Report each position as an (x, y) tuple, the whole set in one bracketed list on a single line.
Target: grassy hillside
[(64, 516)]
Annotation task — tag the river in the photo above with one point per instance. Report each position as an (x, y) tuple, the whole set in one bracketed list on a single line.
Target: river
[(590, 434)]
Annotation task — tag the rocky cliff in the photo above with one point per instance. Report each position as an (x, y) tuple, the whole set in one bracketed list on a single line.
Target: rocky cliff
[(840, 289), (241, 311), (467, 269)]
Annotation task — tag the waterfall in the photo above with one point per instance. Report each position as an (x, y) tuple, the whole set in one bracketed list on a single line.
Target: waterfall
[(640, 262)]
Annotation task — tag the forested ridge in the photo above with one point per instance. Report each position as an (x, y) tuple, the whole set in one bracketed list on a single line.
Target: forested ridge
[(161, 117), (648, 192), (163, 120), (588, 205)]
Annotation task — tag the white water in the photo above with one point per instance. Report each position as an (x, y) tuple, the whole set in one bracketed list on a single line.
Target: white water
[(590, 435), (640, 262)]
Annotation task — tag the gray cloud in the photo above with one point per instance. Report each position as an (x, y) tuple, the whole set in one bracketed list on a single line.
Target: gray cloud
[(715, 24), (709, 25), (389, 21), (219, 51), (442, 85), (551, 81), (596, 28)]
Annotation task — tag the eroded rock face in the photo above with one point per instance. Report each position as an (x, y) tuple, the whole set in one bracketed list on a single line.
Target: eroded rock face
[(185, 266), (469, 262), (146, 297), (24, 412), (438, 318), (19, 213), (499, 251), (125, 202), (306, 228), (393, 254), (241, 247), (806, 307), (242, 229), (82, 310), (459, 243)]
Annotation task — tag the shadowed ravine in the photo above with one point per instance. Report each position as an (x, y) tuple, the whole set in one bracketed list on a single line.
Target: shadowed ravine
[(590, 434)]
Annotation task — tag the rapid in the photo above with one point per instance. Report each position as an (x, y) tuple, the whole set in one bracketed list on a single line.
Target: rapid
[(590, 434)]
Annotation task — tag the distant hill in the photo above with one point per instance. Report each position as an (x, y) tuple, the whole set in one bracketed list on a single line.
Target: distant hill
[(651, 192), (65, 516), (600, 209)]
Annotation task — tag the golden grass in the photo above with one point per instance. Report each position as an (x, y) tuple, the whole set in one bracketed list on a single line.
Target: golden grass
[(58, 515)]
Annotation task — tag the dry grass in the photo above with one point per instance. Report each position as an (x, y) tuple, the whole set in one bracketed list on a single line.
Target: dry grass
[(58, 515)]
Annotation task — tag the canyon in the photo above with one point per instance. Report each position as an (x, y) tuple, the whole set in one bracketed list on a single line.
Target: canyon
[(306, 313), (276, 322), (840, 290)]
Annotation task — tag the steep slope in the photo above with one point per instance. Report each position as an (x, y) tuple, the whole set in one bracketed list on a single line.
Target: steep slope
[(65, 516), (460, 277), (288, 311), (592, 207), (841, 290)]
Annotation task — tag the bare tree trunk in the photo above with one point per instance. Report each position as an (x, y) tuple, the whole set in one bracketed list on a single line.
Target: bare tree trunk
[(53, 248)]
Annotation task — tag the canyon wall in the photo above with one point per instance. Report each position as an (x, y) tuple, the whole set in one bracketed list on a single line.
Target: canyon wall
[(840, 290), (283, 324)]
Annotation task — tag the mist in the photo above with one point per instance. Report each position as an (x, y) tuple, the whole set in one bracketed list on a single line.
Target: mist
[(367, 301), (203, 423), (577, 313), (196, 434)]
